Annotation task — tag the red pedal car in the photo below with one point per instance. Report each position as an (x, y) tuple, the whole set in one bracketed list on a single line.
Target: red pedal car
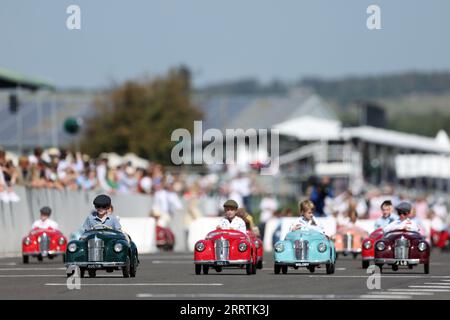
[(440, 239), (368, 245), (225, 248), (165, 239), (259, 248), (402, 248), (42, 243)]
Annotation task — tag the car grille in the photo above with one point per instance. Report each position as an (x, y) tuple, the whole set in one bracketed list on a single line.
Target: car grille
[(348, 242), (95, 249), (222, 249), (301, 248), (44, 243), (401, 248)]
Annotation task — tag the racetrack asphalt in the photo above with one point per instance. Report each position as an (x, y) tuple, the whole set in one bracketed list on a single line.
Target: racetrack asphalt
[(165, 276)]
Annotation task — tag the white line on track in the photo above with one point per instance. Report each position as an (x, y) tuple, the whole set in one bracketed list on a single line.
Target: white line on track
[(8, 264), (137, 284), (382, 276), (430, 287), (30, 275), (421, 290), (341, 269), (30, 269), (190, 257), (439, 283), (384, 297), (411, 293)]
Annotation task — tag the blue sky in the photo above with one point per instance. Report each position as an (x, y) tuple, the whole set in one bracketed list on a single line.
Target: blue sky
[(221, 40)]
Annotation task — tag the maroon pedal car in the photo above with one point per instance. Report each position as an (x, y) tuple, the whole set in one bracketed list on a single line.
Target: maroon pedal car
[(402, 248), (225, 248)]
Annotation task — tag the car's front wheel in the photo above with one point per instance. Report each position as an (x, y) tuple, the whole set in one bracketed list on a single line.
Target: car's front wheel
[(276, 269), (249, 268), (92, 273), (127, 268), (133, 267), (365, 264), (198, 269), (330, 268), (426, 268), (312, 269)]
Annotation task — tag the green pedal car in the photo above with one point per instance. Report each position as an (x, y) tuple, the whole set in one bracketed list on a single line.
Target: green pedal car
[(102, 248)]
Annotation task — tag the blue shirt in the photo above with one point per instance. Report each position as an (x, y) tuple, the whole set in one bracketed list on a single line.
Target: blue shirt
[(383, 222), (93, 220)]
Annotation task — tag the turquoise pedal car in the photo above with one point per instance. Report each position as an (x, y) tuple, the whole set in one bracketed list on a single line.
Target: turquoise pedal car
[(304, 248)]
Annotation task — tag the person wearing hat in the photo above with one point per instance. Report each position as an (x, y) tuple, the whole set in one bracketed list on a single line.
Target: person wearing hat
[(231, 220), (404, 222), (45, 222), (102, 214)]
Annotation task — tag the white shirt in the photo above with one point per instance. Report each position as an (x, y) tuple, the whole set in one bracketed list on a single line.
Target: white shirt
[(235, 224), (302, 223), (406, 224), (48, 223)]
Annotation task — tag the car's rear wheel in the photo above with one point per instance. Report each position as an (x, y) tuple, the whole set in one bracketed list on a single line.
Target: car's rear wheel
[(426, 268), (330, 268), (92, 273), (276, 268), (260, 264), (64, 258), (205, 269), (82, 272), (355, 255), (394, 267), (133, 267), (127, 268), (25, 259), (40, 258), (254, 268), (198, 269), (312, 269), (365, 264), (284, 269), (218, 269)]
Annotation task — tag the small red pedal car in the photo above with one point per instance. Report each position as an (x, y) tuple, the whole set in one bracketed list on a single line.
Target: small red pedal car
[(440, 239), (402, 248), (368, 247), (225, 248), (259, 248), (165, 239), (42, 243)]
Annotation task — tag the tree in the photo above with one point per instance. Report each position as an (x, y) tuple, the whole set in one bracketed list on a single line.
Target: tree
[(139, 117)]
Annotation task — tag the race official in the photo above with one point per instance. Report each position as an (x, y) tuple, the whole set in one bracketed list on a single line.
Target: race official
[(102, 214), (404, 222), (231, 220)]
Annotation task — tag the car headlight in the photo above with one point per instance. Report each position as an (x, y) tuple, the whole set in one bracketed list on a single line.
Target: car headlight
[(381, 246), (61, 241), (200, 246), (422, 246), (72, 247), (322, 247), (279, 247), (242, 246), (118, 247), (367, 245), (257, 244), (27, 241)]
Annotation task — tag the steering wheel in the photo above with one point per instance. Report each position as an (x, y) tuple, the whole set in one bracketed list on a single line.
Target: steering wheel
[(101, 227)]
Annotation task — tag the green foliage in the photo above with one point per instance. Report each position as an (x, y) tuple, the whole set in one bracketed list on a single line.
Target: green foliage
[(139, 117)]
